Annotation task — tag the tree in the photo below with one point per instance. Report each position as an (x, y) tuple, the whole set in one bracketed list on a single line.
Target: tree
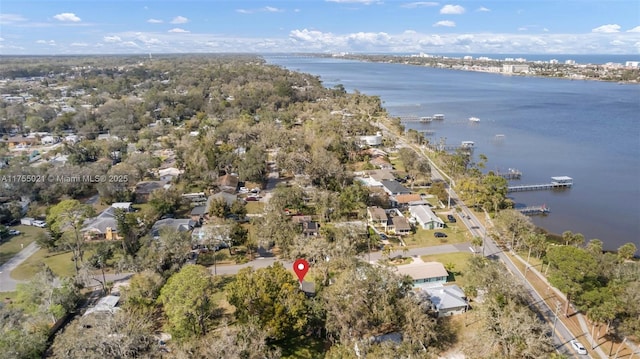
[(573, 269), (66, 220), (239, 208), (143, 290), (513, 226), (47, 295), (627, 251), (166, 201), (595, 247), (124, 334), (218, 208), (166, 254), (22, 336), (98, 260), (272, 296), (363, 301), (187, 304)]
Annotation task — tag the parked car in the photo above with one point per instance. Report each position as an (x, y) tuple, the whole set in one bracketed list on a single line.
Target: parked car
[(14, 232), (578, 347), (40, 224), (439, 235), (383, 237), (451, 218), (251, 198)]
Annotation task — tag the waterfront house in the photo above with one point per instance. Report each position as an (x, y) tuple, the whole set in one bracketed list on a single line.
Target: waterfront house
[(405, 200), (425, 217)]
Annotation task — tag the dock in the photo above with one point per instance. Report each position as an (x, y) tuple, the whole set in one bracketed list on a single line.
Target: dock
[(511, 174), (533, 210), (449, 148), (559, 182)]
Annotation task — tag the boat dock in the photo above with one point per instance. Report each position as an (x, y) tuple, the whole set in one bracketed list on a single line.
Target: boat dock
[(533, 210), (559, 182), (511, 174), (422, 119), (449, 148)]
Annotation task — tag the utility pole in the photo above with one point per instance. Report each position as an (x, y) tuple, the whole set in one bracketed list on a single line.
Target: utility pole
[(555, 320)]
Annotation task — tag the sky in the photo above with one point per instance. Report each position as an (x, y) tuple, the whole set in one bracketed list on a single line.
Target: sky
[(48, 27)]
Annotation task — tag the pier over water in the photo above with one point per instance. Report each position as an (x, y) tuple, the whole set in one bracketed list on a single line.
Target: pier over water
[(559, 182)]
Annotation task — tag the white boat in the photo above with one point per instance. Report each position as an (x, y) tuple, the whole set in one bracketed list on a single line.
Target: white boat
[(467, 144), (438, 117), (474, 119)]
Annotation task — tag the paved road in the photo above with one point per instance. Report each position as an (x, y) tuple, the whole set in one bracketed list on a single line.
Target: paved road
[(8, 284), (562, 335)]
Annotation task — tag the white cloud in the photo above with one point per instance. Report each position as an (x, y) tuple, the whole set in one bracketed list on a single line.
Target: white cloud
[(483, 9), (6, 19), (154, 21), (452, 10), (635, 29), (178, 30), (413, 5), (179, 20), (617, 43), (272, 9), (41, 42), (111, 39), (79, 44), (1, 39), (445, 23), (609, 28), (45, 42), (67, 17)]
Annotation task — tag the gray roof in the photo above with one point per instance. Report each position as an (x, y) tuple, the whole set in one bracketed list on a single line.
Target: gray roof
[(104, 220), (149, 186), (198, 210), (105, 305), (424, 214), (179, 224), (400, 223), (228, 197), (395, 187), (446, 297), (423, 270)]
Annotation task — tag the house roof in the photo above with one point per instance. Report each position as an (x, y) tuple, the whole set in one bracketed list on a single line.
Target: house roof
[(198, 210), (377, 213), (381, 175), (446, 297), (106, 219), (228, 197), (400, 223), (424, 214), (121, 205), (395, 187), (105, 305), (407, 198), (148, 186), (228, 181), (179, 224), (424, 270)]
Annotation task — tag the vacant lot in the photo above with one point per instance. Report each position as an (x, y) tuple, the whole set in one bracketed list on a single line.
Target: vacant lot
[(15, 243)]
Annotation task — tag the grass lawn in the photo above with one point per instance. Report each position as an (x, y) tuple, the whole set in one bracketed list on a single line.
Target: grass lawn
[(425, 238), (255, 207), (60, 263), (8, 296), (459, 260), (14, 244)]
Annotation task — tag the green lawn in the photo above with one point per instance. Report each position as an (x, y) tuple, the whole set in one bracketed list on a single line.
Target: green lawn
[(60, 263), (425, 238), (15, 243), (460, 262)]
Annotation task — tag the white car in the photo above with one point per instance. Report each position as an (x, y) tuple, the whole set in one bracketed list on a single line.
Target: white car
[(14, 232), (578, 347), (40, 224)]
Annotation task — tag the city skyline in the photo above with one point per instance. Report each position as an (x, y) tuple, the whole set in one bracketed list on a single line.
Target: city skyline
[(36, 27)]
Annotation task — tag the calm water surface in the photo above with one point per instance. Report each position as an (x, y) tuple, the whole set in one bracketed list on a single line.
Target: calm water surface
[(587, 130)]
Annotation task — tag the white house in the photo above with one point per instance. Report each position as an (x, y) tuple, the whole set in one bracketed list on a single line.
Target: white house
[(446, 300), (427, 272), (425, 217)]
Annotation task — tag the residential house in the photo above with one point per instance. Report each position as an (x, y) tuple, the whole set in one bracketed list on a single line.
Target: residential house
[(381, 175), (144, 189), (168, 174), (405, 200), (21, 142), (72, 139), (308, 288), (125, 206), (228, 183), (198, 214), (229, 198), (425, 217), (394, 188), (178, 224), (49, 140), (381, 163), (377, 216), (446, 300), (426, 272), (399, 225), (108, 305), (102, 227)]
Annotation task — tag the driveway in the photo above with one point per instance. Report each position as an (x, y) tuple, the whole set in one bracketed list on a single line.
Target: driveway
[(8, 284)]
